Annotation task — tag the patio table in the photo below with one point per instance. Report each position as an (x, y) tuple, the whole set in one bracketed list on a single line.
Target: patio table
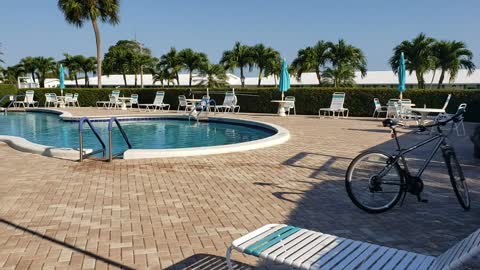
[(425, 111), (124, 102), (281, 107)]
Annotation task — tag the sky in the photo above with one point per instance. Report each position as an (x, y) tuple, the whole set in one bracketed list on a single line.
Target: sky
[(38, 28)]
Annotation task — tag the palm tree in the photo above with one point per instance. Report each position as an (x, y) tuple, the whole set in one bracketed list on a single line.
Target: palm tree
[(274, 68), (311, 59), (11, 74), (171, 61), (262, 57), (418, 56), (239, 57), (1, 53), (192, 61), (341, 76), (215, 75), (451, 56), (345, 60), (44, 65), (29, 65), (86, 64), (72, 65), (77, 12), (163, 75)]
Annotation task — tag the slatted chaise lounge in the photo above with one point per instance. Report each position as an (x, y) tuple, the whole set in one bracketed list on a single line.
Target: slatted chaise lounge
[(305, 249)]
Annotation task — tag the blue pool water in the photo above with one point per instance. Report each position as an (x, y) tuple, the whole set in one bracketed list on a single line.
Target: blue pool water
[(49, 129)]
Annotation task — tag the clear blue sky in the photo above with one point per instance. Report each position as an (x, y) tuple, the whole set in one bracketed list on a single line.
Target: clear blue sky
[(37, 28)]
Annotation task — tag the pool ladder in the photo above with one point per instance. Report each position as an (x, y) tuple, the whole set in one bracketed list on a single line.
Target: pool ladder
[(204, 106), (111, 155), (12, 98)]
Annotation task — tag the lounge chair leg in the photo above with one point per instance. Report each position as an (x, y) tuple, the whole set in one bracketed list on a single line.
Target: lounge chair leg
[(228, 255)]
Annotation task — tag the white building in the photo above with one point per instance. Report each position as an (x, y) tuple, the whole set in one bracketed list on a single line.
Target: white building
[(372, 79)]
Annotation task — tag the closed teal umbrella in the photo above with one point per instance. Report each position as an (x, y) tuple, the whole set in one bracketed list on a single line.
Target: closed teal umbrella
[(284, 84), (401, 76), (62, 79)]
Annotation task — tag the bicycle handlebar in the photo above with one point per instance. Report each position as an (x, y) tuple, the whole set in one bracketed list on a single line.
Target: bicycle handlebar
[(394, 123)]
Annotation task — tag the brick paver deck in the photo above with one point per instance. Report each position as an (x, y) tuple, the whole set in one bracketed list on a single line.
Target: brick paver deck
[(183, 212)]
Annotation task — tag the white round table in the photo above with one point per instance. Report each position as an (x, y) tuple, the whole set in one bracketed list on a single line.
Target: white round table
[(281, 107), (425, 111), (124, 102)]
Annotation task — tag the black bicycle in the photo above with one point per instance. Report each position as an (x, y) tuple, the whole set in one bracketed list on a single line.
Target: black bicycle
[(375, 181)]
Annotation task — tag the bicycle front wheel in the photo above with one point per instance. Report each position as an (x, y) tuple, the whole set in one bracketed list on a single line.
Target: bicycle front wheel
[(457, 178), (373, 184)]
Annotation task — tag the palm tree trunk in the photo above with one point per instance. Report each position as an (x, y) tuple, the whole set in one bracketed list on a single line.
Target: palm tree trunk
[(178, 78), (275, 79), (242, 79), (442, 77), (433, 78), (190, 79), (125, 79), (86, 78), (76, 79), (135, 79), (420, 79), (33, 76), (99, 52), (319, 78), (260, 77)]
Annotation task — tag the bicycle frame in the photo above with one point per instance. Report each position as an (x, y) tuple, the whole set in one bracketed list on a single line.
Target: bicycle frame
[(400, 155)]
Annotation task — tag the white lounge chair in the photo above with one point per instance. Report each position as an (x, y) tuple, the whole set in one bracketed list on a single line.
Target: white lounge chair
[(69, 99), (444, 108), (290, 105), (336, 106), (378, 108), (133, 101), (27, 101), (305, 249), (157, 102), (107, 104), (229, 103), (75, 100), (183, 103)]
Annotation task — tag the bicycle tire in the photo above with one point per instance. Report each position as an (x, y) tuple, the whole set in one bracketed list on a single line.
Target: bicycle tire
[(457, 178), (383, 157)]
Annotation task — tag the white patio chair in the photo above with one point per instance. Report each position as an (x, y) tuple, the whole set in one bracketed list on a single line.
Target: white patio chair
[(106, 104), (157, 102), (379, 108), (27, 101), (229, 103), (50, 99), (114, 102), (444, 108), (403, 113), (75, 100), (290, 105), (305, 249), (69, 99), (133, 101), (336, 106), (183, 103)]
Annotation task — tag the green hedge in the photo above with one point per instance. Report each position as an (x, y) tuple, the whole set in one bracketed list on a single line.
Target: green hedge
[(308, 100), (7, 89)]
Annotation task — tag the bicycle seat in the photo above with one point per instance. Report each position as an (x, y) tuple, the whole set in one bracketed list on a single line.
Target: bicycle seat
[(390, 123)]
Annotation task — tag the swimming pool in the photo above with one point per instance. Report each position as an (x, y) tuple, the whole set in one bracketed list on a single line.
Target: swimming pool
[(157, 133)]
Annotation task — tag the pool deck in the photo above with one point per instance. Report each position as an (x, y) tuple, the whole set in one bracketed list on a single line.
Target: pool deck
[(175, 213)]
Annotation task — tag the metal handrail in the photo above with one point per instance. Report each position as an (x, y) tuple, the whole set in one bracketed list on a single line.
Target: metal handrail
[(80, 138), (203, 108), (110, 143), (12, 98)]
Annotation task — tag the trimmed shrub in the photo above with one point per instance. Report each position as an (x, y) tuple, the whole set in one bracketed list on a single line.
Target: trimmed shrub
[(308, 99)]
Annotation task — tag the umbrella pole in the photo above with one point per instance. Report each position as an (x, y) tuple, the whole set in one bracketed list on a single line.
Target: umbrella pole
[(282, 95)]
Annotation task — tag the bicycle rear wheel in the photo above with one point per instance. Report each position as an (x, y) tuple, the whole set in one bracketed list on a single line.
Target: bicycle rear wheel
[(372, 183), (457, 178)]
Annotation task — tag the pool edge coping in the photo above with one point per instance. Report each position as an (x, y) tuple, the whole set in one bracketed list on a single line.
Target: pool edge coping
[(281, 136)]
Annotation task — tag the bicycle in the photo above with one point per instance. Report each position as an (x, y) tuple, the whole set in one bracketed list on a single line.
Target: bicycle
[(375, 181)]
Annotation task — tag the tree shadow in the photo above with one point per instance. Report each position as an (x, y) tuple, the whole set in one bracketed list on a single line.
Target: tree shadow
[(66, 245)]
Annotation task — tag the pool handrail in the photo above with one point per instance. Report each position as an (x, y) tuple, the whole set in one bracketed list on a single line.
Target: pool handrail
[(12, 98), (80, 138), (110, 143)]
